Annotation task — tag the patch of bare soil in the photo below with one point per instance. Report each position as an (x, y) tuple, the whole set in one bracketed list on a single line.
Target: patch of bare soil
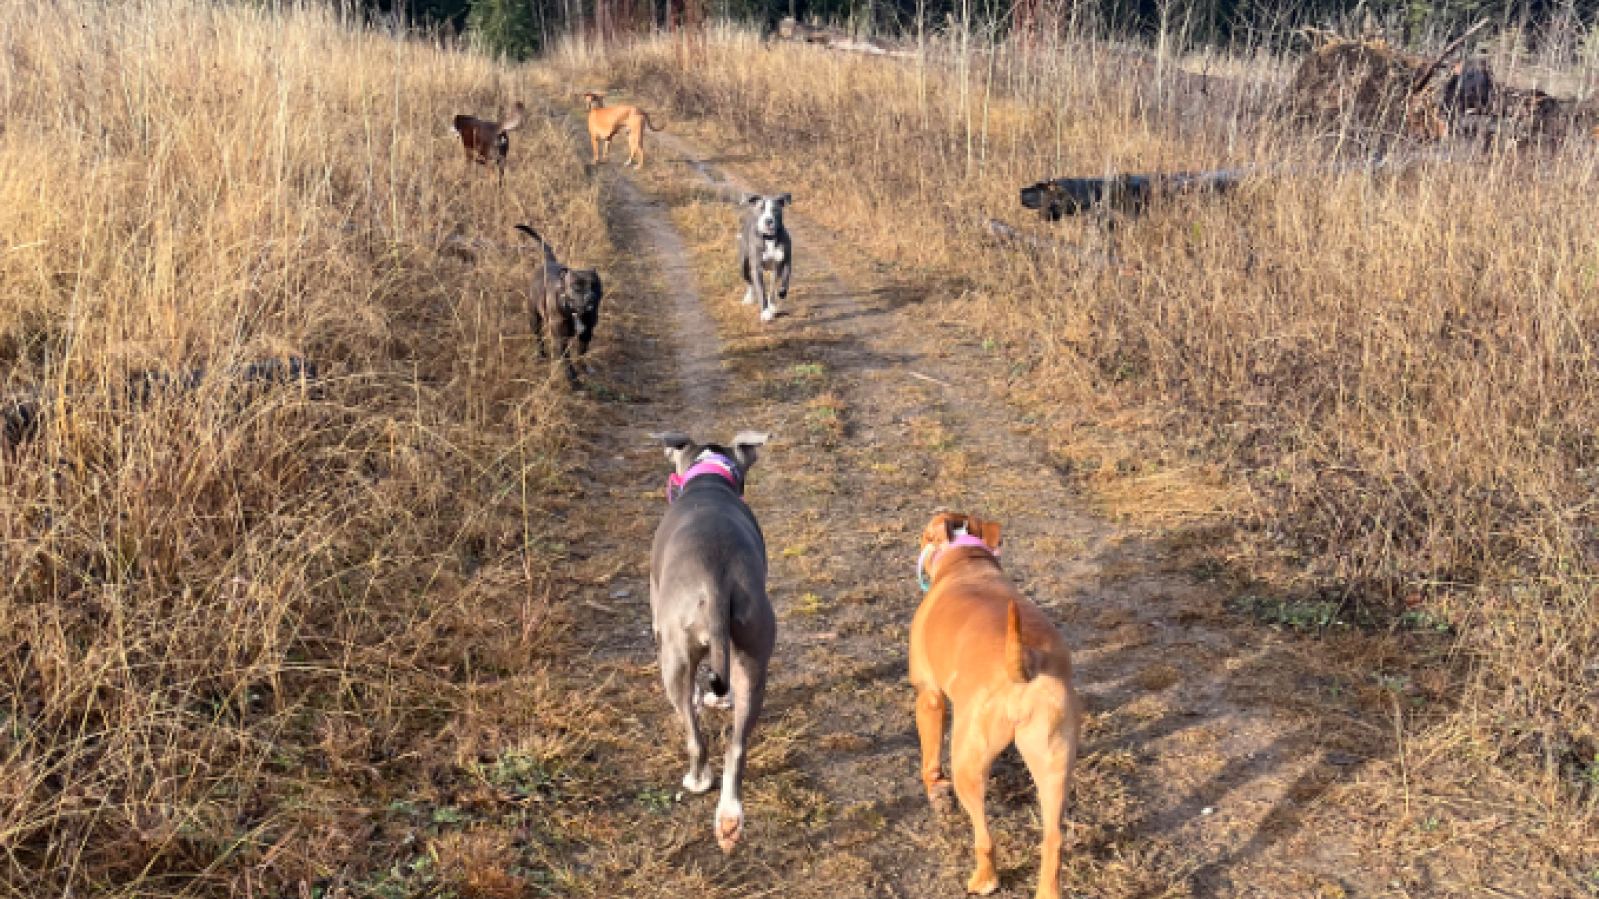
[(1208, 742)]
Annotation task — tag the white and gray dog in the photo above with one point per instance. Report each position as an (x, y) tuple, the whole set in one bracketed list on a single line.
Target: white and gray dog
[(708, 599), (764, 245)]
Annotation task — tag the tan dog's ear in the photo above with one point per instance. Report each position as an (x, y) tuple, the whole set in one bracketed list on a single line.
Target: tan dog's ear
[(988, 531)]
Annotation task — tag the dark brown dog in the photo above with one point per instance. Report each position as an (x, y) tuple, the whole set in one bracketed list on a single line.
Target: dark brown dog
[(488, 143), (979, 643), (568, 300)]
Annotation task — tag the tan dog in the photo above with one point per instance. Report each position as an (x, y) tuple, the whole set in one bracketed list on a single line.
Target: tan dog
[(977, 642), (605, 121)]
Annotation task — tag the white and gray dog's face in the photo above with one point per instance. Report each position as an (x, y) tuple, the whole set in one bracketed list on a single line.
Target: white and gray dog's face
[(768, 212)]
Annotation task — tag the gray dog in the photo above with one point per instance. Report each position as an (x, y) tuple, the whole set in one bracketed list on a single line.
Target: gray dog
[(764, 245), (569, 300), (708, 598)]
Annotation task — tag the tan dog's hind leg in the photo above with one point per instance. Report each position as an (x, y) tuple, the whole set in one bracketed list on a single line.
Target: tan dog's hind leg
[(970, 759), (1050, 751), (930, 705)]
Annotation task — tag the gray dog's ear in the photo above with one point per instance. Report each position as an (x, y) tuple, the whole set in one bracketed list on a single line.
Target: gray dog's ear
[(785, 199), (744, 446), (751, 199), (673, 440)]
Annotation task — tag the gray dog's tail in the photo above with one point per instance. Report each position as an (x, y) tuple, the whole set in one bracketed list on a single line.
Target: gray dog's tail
[(716, 626)]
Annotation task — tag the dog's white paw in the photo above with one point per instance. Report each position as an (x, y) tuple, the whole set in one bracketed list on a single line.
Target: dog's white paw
[(769, 313), (701, 784), (729, 823), (712, 701), (749, 297)]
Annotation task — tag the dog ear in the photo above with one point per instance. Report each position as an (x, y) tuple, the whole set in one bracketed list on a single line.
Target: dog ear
[(751, 199), (673, 440), (987, 531), (785, 199), (744, 445)]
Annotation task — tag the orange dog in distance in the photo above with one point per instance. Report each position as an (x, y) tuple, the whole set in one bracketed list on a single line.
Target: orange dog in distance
[(606, 121), (980, 644)]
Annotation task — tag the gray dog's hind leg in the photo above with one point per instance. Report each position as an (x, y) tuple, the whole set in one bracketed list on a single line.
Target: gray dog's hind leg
[(538, 334), (749, 692), (677, 675), (786, 270)]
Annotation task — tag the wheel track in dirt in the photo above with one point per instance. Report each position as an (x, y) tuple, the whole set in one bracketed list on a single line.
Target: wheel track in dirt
[(841, 513)]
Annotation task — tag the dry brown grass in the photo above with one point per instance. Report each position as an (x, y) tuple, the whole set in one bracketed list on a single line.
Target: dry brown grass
[(1384, 383), (256, 642)]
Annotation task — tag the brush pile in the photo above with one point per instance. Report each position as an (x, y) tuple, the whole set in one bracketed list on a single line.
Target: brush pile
[(1363, 85)]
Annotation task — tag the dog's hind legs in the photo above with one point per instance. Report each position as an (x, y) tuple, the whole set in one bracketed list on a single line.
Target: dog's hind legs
[(970, 760), (677, 676), (930, 706), (537, 324), (749, 691), (1050, 753)]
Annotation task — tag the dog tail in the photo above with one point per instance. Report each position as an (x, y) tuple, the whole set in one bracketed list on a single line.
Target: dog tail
[(1015, 652), (716, 626), (549, 254), (649, 124), (514, 120)]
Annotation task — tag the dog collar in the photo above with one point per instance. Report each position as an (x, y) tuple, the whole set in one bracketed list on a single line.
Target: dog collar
[(708, 463), (960, 540)]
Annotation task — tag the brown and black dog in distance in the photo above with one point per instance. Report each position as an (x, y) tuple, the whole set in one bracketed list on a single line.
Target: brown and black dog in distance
[(606, 121), (488, 143), (978, 643)]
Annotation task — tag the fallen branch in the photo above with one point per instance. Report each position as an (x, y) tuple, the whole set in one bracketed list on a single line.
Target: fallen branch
[(834, 39), (1133, 194), (1425, 75)]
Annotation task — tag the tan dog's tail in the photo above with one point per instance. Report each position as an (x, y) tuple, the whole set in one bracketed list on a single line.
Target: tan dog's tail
[(649, 124), (1015, 652)]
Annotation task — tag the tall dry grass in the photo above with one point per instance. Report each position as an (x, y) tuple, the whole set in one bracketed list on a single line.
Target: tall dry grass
[(238, 624), (1384, 383)]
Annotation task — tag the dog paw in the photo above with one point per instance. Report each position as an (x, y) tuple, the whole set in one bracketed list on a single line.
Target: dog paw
[(712, 701), (749, 298), (729, 826), (698, 784), (769, 313), (983, 883), (941, 795)]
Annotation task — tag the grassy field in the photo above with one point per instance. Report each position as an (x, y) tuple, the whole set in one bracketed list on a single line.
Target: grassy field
[(361, 635), (251, 639), (1369, 396)]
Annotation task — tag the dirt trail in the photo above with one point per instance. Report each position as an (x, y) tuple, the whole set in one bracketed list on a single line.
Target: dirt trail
[(1196, 767)]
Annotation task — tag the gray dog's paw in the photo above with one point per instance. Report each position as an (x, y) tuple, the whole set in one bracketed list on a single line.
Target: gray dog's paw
[(717, 702), (699, 784)]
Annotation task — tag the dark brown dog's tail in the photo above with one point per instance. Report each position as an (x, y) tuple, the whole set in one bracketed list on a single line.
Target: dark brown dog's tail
[(1015, 652), (514, 120), (549, 254), (649, 124)]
